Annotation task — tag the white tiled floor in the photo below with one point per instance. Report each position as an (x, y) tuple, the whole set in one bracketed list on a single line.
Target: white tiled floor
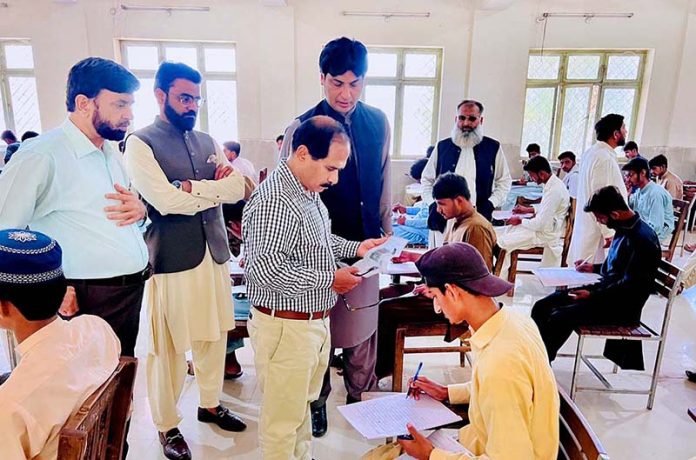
[(625, 427)]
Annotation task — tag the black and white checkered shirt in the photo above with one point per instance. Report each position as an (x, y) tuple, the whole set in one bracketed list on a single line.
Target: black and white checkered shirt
[(289, 251)]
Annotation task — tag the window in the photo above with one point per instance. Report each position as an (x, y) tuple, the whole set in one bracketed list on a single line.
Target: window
[(215, 61), (405, 84), (19, 102), (568, 91)]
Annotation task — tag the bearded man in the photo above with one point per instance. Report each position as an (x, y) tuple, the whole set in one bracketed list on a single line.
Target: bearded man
[(70, 184), (184, 178), (478, 158)]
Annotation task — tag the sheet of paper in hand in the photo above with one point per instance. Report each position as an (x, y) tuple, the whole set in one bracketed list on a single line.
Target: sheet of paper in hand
[(379, 257)]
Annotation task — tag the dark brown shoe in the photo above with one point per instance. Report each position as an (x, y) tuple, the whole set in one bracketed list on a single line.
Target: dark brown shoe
[(223, 418), (174, 445)]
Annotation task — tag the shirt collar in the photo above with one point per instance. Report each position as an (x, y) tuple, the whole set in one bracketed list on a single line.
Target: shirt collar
[(487, 332), (294, 183), (79, 141), (54, 328)]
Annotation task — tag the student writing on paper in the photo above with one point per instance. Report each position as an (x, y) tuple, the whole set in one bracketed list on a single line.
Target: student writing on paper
[(546, 228), (512, 395), (618, 299), (451, 192)]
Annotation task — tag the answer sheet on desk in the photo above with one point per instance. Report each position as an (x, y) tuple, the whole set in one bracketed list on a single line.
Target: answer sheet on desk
[(568, 276), (442, 440), (388, 416)]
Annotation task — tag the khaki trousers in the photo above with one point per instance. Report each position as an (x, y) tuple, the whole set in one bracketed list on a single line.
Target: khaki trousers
[(291, 357), (166, 372)]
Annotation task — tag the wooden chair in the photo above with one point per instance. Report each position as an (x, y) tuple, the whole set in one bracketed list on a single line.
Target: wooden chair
[(522, 255), (668, 285), (577, 440), (680, 211), (689, 197), (692, 413), (97, 430)]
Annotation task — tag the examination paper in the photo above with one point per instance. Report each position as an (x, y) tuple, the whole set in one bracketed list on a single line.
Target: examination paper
[(567, 276), (388, 416)]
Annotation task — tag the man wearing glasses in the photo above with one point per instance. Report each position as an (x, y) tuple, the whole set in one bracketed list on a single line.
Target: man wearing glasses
[(184, 178), (478, 158)]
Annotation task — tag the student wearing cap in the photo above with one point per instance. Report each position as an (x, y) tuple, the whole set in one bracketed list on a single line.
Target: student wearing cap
[(63, 362), (652, 202), (628, 274), (512, 394)]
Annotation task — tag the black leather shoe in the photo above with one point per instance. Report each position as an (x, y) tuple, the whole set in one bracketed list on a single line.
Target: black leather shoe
[(691, 375), (174, 445), (223, 418), (319, 422)]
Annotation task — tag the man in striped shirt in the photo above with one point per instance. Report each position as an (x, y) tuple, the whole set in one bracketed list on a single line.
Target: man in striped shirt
[(293, 281)]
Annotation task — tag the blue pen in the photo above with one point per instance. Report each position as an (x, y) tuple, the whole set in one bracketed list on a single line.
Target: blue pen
[(415, 377)]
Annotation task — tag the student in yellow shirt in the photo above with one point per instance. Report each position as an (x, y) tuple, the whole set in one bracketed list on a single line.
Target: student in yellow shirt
[(512, 395)]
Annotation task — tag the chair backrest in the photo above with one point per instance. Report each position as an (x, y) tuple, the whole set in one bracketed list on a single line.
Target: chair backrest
[(263, 174), (577, 440), (680, 208), (668, 284), (570, 223), (97, 430)]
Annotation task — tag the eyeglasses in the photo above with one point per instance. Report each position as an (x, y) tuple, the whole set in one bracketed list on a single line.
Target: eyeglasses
[(187, 99), (471, 118)]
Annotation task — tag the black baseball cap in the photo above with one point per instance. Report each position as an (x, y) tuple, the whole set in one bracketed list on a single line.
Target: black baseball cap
[(460, 264)]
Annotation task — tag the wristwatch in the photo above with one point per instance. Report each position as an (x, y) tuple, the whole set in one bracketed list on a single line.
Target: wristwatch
[(177, 184)]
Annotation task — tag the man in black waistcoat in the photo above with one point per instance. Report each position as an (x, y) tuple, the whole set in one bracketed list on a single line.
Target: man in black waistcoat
[(184, 178), (478, 158), (359, 207)]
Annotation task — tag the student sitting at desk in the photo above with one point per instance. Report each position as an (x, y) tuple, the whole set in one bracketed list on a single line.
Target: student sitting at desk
[(628, 275), (512, 394)]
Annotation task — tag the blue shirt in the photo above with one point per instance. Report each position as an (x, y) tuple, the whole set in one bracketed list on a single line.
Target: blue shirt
[(56, 184), (654, 205)]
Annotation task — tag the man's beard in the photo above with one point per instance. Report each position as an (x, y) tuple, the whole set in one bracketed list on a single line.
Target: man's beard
[(621, 142), (106, 130), (469, 139), (183, 122)]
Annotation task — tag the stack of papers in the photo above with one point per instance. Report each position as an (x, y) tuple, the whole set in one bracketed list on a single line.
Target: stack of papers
[(379, 257), (505, 215), (442, 440), (407, 268), (386, 417)]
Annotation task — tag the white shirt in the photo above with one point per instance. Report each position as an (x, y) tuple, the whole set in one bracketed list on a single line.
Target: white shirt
[(551, 212), (62, 364), (571, 181), (466, 167), (56, 184), (245, 168), (598, 168)]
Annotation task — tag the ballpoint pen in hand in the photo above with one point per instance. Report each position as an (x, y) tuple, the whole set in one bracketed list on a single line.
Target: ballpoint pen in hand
[(415, 377)]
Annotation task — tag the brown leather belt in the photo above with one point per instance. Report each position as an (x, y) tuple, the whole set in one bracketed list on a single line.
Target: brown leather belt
[(287, 314)]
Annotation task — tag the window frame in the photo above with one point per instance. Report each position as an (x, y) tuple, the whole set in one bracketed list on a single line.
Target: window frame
[(5, 74), (400, 81), (561, 83), (200, 47)]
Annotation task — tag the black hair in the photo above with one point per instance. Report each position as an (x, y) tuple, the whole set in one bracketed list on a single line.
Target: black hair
[(659, 160), (637, 165), (607, 125), (538, 164), (342, 55), (35, 302), (280, 137), (450, 186), (8, 135), (169, 71), (471, 102), (567, 154), (429, 151), (533, 148), (417, 168), (233, 146), (29, 135), (630, 145), (606, 200), (89, 76), (317, 134)]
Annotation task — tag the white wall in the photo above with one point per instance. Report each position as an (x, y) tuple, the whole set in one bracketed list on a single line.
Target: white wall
[(485, 51)]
